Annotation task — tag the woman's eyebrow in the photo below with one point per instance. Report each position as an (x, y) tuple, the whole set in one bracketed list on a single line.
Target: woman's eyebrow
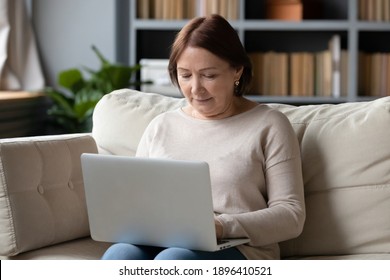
[(203, 69)]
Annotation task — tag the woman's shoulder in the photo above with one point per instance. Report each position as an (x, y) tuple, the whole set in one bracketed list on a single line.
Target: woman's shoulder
[(164, 118), (171, 114), (265, 118), (264, 110)]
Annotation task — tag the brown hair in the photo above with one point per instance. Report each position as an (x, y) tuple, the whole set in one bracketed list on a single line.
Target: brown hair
[(216, 35)]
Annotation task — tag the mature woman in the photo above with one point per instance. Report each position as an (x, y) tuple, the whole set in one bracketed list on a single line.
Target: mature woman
[(251, 149)]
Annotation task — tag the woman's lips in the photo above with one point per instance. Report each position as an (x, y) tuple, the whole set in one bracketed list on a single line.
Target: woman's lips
[(204, 100)]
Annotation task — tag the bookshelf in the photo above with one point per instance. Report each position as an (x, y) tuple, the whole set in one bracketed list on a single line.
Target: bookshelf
[(151, 38)]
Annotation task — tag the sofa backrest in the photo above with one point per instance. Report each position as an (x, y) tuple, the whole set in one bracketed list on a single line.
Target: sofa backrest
[(42, 199), (121, 117), (345, 153), (345, 159)]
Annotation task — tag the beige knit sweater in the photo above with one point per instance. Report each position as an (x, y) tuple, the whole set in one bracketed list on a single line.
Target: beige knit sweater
[(255, 168)]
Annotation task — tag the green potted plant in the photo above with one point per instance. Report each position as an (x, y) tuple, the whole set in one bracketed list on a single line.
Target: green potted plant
[(72, 108)]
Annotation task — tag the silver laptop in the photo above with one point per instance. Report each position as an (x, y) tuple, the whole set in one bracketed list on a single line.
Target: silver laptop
[(155, 202)]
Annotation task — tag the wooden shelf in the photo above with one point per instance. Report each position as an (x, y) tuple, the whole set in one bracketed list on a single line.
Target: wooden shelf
[(150, 38), (22, 113)]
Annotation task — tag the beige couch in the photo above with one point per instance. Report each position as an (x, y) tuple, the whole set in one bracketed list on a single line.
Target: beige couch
[(346, 169)]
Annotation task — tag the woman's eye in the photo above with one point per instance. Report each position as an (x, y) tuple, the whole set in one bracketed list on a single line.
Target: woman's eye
[(185, 76), (210, 76)]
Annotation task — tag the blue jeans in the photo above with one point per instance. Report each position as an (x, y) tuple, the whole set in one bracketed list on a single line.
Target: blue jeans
[(124, 251)]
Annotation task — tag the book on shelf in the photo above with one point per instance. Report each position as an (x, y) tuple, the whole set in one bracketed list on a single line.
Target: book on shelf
[(257, 70), (374, 73), (301, 74), (323, 73), (344, 72), (143, 9), (323, 80), (386, 10), (186, 9), (166, 9), (229, 9), (374, 10), (335, 50)]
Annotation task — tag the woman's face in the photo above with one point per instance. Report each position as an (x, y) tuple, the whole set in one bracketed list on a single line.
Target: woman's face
[(207, 82)]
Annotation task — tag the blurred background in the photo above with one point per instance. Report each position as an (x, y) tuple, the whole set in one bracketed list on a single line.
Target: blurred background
[(303, 52)]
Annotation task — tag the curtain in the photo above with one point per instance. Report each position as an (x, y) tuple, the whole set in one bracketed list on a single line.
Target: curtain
[(20, 67)]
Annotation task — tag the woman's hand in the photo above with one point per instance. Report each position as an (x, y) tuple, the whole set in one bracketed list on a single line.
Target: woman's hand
[(218, 229)]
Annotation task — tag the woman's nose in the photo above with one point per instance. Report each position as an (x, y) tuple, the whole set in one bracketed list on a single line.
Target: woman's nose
[(196, 86)]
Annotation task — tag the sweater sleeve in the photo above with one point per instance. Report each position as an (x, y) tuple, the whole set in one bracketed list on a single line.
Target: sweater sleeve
[(146, 142), (284, 216), (142, 149)]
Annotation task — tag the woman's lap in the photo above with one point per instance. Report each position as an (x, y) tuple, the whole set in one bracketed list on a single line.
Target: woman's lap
[(123, 251)]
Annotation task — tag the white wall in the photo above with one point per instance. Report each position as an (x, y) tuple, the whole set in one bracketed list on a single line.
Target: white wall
[(66, 29)]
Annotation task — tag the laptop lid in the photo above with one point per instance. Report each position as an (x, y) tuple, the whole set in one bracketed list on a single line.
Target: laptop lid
[(156, 202)]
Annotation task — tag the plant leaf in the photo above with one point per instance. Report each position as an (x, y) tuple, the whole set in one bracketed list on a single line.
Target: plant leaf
[(62, 102), (71, 79), (73, 110), (85, 102), (102, 59)]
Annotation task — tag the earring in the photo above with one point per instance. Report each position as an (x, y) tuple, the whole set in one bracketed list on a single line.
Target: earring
[(236, 84)]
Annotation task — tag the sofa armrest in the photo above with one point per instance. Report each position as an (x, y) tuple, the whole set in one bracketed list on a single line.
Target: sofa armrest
[(42, 200)]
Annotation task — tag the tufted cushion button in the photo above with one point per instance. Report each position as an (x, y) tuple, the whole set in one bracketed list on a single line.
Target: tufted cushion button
[(40, 189), (70, 185)]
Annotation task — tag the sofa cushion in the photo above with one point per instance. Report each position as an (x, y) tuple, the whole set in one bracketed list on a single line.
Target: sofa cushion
[(78, 249), (42, 199), (346, 168), (345, 160), (121, 117)]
